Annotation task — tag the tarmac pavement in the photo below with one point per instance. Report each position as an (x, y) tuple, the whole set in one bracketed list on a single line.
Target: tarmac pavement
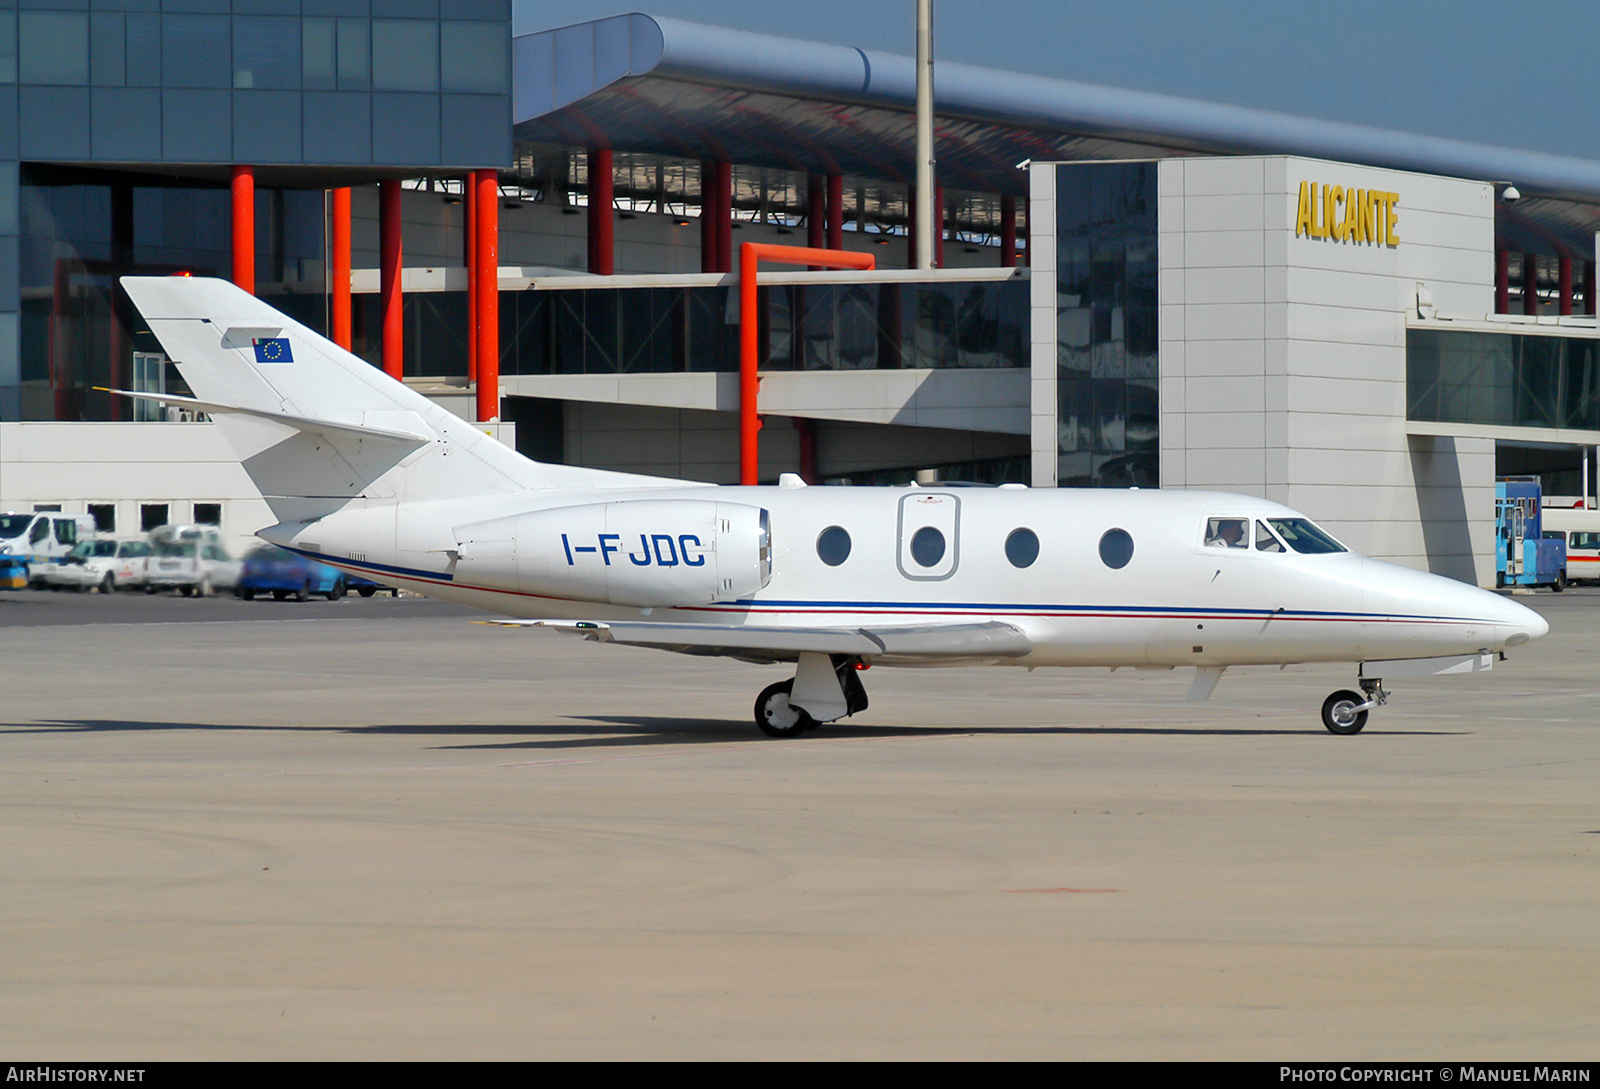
[(374, 830)]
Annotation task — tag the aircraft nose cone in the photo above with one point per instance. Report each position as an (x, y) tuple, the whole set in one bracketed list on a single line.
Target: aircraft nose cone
[(1518, 624), (1461, 618)]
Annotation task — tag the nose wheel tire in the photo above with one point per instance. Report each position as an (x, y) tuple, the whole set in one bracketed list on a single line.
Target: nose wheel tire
[(776, 716), (1339, 712)]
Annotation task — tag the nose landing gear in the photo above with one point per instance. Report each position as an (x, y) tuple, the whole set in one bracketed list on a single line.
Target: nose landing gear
[(1345, 712)]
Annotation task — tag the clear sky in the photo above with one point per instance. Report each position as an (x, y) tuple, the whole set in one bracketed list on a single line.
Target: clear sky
[(1518, 73)]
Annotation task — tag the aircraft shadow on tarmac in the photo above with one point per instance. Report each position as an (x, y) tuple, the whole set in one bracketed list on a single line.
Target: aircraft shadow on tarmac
[(588, 731)]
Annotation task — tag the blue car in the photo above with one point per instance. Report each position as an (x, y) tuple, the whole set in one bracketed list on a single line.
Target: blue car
[(366, 587), (270, 569)]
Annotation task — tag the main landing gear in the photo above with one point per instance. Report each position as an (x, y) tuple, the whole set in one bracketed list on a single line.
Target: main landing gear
[(825, 687), (1345, 712)]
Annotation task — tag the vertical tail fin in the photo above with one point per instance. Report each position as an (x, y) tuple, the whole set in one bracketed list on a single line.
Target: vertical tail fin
[(269, 382)]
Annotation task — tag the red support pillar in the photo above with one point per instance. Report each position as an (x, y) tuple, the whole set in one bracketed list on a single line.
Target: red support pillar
[(938, 226), (340, 260), (244, 227), (602, 223), (724, 217), (1502, 281), (1564, 280), (469, 254), (1530, 284), (1027, 209), (911, 228), (708, 202), (836, 211), (389, 262), (807, 430), (487, 224), (816, 212), (1588, 288), (1008, 232)]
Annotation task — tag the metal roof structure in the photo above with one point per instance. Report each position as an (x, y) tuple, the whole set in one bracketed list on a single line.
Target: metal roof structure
[(645, 84)]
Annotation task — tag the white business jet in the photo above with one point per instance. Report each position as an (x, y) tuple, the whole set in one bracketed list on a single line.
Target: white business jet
[(372, 478)]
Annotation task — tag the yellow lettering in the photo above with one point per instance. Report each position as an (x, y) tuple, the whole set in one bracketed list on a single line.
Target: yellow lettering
[(1347, 215)]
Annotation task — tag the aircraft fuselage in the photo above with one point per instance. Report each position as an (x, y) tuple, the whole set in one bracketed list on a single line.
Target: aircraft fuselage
[(1172, 600)]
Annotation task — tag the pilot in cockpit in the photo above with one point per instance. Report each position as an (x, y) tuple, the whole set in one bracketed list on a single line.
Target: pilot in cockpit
[(1226, 533)]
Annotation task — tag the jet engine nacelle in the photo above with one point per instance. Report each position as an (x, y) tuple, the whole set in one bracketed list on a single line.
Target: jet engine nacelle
[(646, 552)]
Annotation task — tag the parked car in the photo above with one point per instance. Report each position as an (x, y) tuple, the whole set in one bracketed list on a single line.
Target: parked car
[(191, 560), (103, 563), (283, 574), (366, 587)]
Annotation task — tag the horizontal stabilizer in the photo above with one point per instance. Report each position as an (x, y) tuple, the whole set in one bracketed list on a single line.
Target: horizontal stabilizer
[(987, 640), (327, 428)]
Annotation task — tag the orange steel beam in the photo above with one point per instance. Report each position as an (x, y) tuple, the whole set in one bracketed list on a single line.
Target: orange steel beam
[(390, 260), (244, 227), (341, 268), (486, 224), (750, 255), (469, 229)]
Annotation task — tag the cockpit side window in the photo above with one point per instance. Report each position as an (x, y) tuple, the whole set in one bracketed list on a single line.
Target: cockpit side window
[(1227, 533), (1266, 540)]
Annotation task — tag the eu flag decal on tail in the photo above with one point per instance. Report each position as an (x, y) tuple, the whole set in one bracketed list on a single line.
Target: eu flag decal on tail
[(272, 350)]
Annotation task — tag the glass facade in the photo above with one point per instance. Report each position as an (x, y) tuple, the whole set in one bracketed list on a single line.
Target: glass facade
[(679, 329), (80, 230), (415, 84), (1505, 379), (1106, 310)]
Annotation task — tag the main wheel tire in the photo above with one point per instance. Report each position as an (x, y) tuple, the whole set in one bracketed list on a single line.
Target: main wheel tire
[(366, 591), (247, 593), (280, 595), (776, 717), (1339, 712)]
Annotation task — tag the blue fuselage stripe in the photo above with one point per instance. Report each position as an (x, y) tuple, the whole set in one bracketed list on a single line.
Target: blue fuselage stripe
[(937, 608)]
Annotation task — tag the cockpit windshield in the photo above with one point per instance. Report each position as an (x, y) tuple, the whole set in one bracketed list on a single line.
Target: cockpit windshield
[(1303, 535)]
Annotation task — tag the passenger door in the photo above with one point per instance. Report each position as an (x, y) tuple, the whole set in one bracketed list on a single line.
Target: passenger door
[(929, 535)]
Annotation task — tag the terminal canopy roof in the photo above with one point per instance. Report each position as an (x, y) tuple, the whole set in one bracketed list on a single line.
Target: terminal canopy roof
[(640, 83)]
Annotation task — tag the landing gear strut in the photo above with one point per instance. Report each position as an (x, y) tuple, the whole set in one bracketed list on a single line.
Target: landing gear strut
[(828, 687), (1345, 712)]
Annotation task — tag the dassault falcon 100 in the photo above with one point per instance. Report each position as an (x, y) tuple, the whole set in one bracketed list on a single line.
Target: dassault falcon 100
[(372, 478)]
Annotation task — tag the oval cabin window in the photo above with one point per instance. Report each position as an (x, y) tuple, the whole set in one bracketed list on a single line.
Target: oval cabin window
[(1116, 548), (1022, 547), (833, 546)]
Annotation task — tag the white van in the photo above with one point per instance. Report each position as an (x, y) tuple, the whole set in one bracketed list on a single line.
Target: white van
[(43, 536), (191, 560), (1580, 528)]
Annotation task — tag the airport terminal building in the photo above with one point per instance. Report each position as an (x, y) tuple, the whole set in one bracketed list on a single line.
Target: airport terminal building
[(1129, 290)]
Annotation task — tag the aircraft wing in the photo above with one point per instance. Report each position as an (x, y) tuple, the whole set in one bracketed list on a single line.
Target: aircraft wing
[(991, 639)]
